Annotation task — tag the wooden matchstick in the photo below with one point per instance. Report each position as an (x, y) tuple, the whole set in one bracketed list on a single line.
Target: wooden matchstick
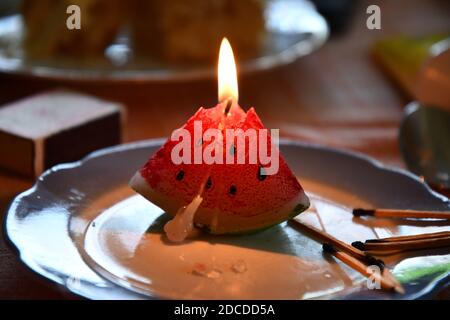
[(433, 235), (396, 213), (385, 282), (426, 243), (325, 237), (361, 255)]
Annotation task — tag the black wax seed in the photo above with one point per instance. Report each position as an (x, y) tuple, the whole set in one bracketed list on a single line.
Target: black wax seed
[(180, 175), (208, 184), (261, 174), (233, 190)]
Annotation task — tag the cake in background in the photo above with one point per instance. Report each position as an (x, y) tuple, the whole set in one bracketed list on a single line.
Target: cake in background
[(180, 30), (175, 30), (47, 34)]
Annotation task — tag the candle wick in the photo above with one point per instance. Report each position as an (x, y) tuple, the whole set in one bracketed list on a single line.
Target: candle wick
[(228, 107)]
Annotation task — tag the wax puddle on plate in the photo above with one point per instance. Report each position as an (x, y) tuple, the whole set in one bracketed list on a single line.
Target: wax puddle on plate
[(129, 243)]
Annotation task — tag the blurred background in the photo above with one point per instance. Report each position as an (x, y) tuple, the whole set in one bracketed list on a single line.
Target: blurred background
[(312, 69), (337, 95)]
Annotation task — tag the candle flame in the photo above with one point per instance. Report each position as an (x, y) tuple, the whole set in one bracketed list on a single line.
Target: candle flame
[(228, 87)]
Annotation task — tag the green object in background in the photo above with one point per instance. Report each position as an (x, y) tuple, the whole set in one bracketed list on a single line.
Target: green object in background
[(415, 269), (402, 57)]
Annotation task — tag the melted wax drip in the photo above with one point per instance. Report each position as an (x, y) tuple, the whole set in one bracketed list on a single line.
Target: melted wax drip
[(182, 226)]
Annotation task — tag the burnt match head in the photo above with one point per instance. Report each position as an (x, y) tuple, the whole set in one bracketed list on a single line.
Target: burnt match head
[(358, 245), (328, 248), (363, 212), (371, 260)]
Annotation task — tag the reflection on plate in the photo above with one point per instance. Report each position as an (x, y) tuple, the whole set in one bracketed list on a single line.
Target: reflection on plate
[(294, 29), (82, 226), (126, 245)]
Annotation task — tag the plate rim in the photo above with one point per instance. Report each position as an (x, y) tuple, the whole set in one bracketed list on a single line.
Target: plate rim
[(427, 292)]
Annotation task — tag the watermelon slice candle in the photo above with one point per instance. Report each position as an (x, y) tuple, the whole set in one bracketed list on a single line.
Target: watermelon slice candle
[(233, 193)]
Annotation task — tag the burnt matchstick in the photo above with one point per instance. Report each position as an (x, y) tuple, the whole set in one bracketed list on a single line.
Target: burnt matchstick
[(403, 245), (325, 237), (433, 235), (404, 214), (386, 283), (358, 254)]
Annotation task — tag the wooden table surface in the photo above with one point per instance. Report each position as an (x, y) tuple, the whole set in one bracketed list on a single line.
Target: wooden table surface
[(336, 96)]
